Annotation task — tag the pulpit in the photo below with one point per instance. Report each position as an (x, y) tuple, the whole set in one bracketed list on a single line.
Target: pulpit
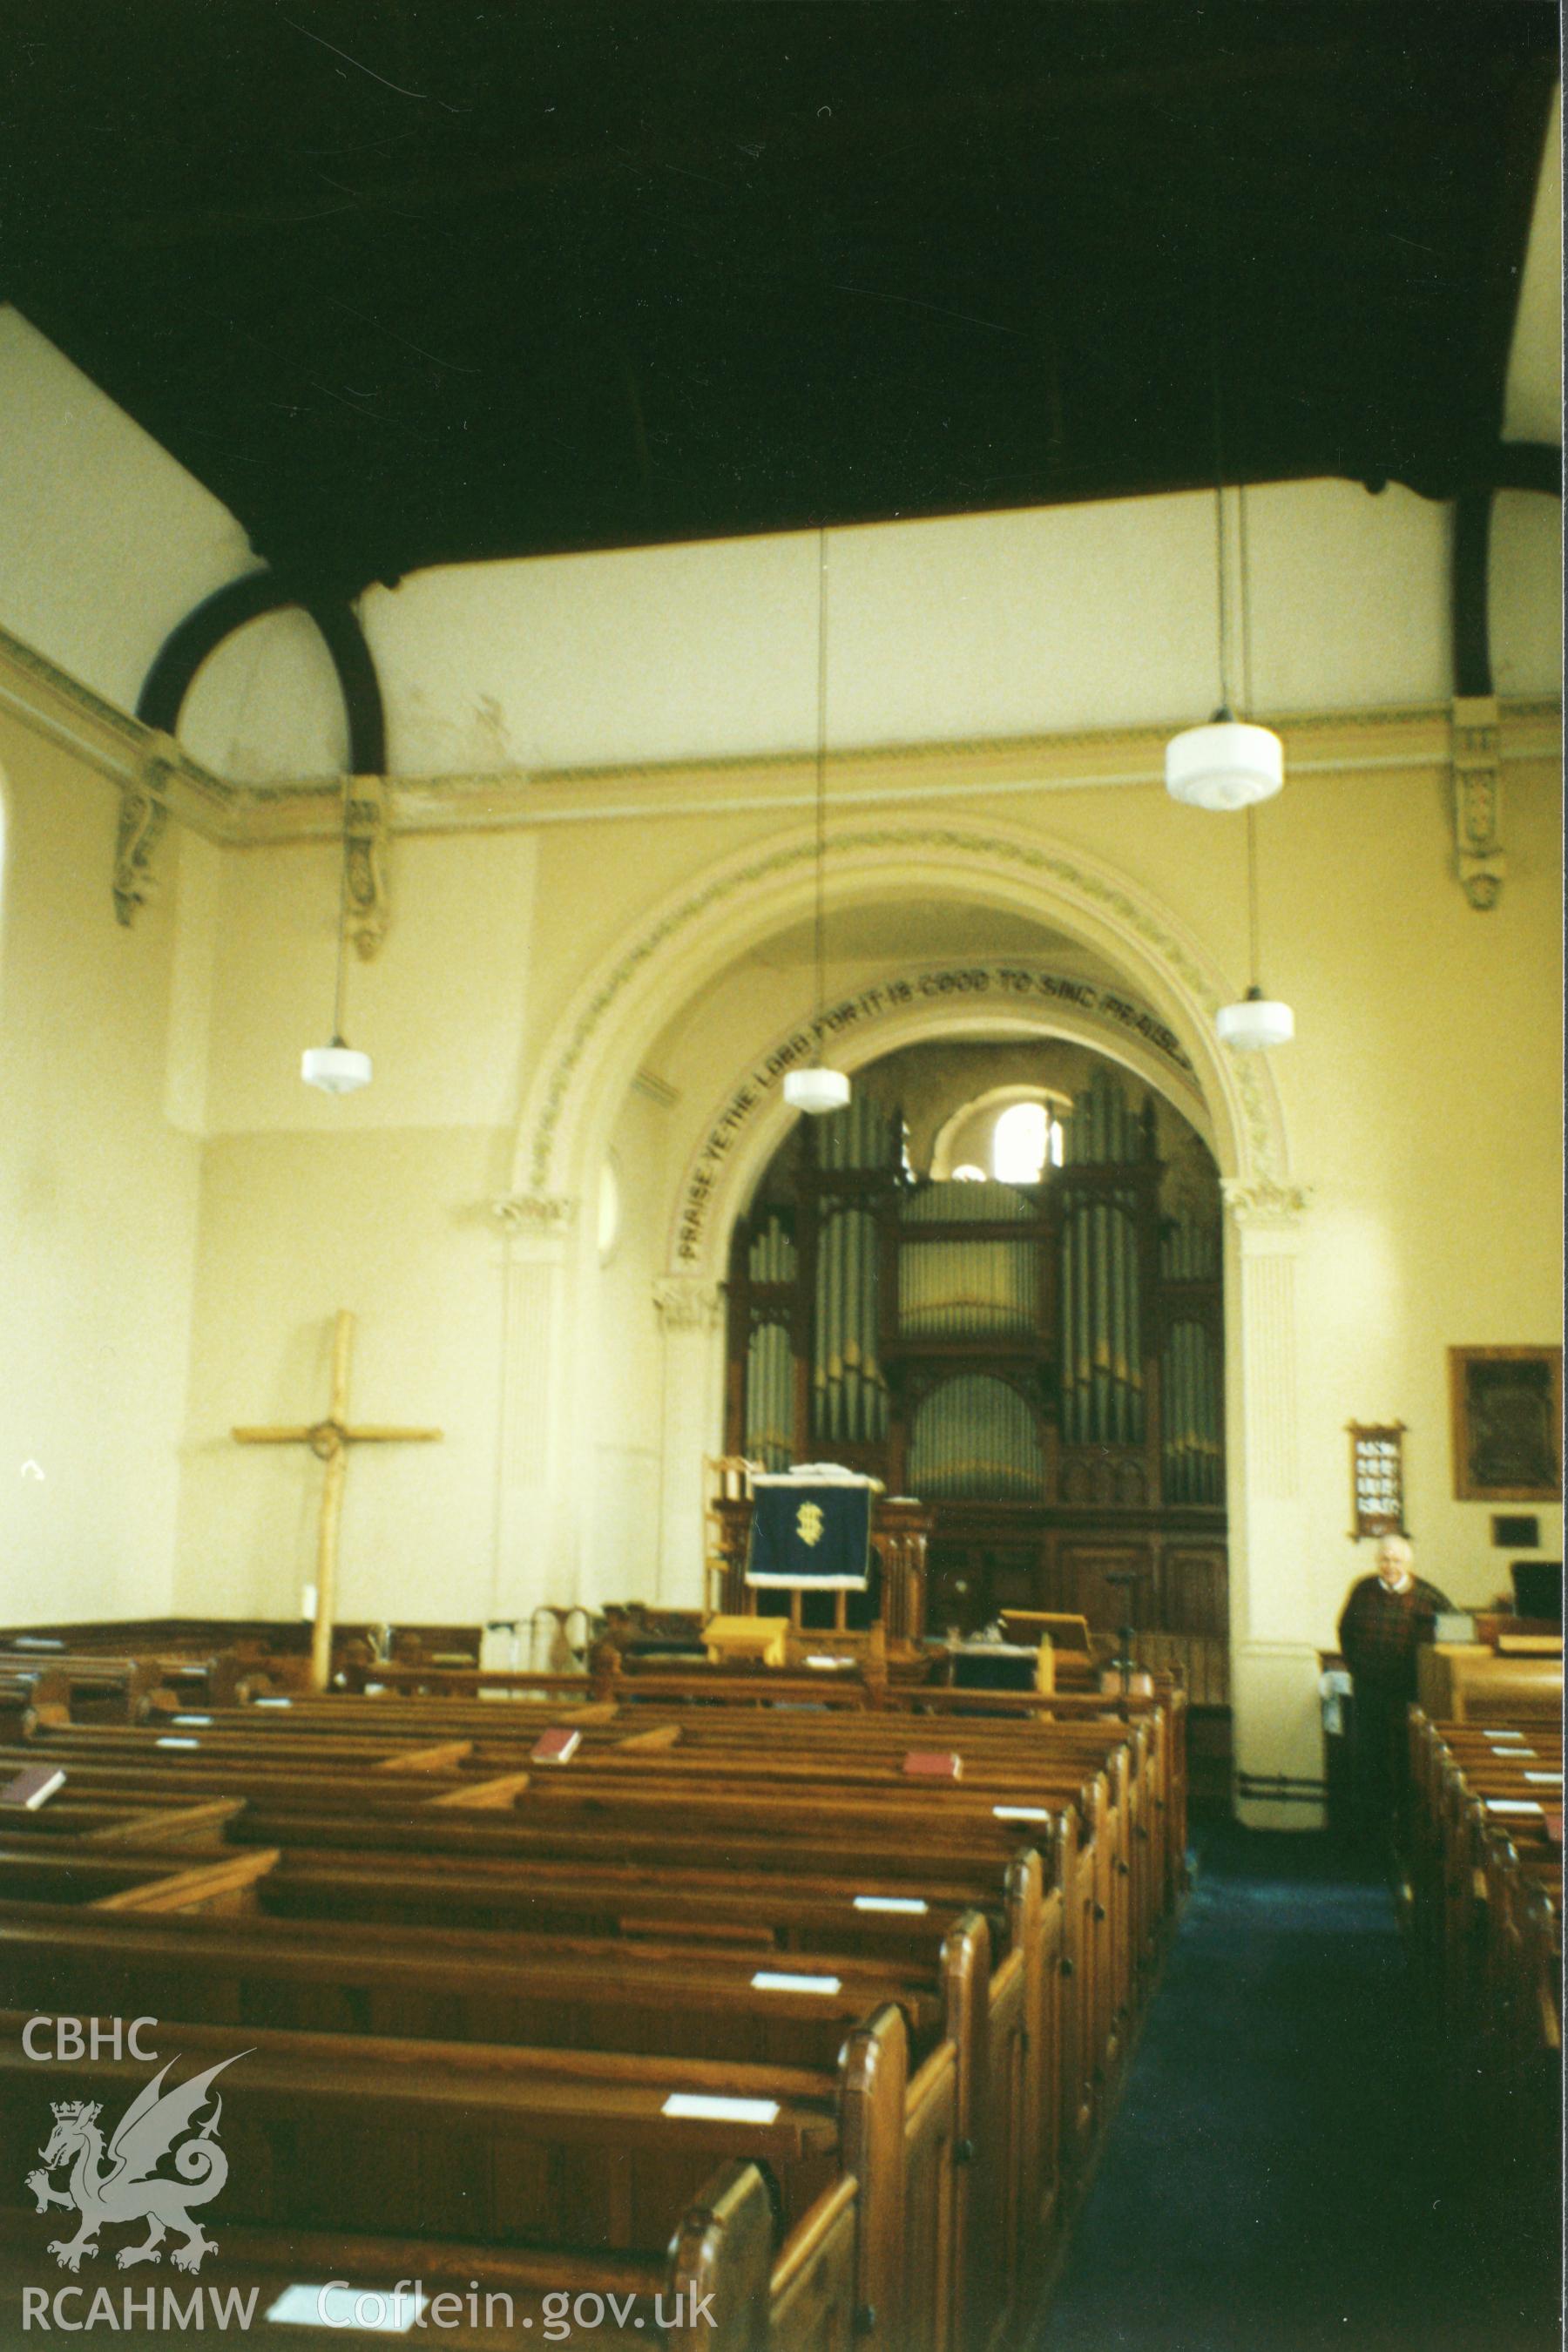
[(895, 1590)]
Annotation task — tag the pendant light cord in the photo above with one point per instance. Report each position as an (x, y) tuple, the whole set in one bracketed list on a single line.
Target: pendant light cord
[(1246, 601), (1217, 386), (1220, 571), (1252, 926), (343, 921), (820, 943)]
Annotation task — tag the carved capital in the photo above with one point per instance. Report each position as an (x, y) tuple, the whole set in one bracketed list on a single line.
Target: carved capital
[(143, 815), (1479, 857), (367, 908), (534, 1213), (1264, 1205), (685, 1304)]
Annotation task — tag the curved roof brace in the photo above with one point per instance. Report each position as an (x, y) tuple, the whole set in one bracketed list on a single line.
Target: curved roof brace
[(204, 628)]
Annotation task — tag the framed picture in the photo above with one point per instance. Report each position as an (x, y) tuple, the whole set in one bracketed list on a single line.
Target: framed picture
[(1506, 1405), (1377, 1478)]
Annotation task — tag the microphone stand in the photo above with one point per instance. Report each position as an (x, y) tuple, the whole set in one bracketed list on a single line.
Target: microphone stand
[(1126, 1634)]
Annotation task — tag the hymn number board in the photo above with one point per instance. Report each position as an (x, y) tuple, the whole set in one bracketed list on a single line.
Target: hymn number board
[(1377, 1478)]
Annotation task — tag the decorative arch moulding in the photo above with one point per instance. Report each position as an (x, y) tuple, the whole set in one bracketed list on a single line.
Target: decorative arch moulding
[(620, 1006), (1008, 987)]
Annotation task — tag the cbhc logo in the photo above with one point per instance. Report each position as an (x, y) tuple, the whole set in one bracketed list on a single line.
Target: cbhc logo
[(90, 2037)]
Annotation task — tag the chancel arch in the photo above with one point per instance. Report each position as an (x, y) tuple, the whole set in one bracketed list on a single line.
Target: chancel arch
[(690, 997), (686, 945)]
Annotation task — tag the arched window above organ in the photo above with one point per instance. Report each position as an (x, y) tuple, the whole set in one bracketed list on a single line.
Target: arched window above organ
[(1021, 1143)]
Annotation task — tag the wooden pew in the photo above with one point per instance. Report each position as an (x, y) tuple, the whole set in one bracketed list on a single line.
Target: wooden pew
[(587, 1996), (1020, 2006), (1149, 1857), (722, 2288), (31, 1694), (1029, 2024), (98, 1689), (365, 1841), (536, 2170), (1087, 2035), (1482, 1870), (32, 1879)]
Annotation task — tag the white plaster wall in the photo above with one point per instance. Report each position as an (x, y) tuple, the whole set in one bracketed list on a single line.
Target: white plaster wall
[(105, 541), (622, 1399), (98, 1203), (389, 1223), (976, 625), (442, 1010), (266, 703)]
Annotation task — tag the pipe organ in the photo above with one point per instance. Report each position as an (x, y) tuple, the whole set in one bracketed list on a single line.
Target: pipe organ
[(1043, 1365)]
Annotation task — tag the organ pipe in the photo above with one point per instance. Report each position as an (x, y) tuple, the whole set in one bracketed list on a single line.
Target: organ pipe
[(1101, 1330), (1192, 1415), (848, 1391), (1116, 1236), (770, 1382), (1190, 1249), (950, 1289), (772, 1257), (976, 1436)]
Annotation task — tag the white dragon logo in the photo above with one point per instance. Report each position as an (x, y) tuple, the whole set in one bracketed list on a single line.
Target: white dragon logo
[(128, 2189)]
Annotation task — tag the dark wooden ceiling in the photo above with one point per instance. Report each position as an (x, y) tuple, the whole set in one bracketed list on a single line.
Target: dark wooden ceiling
[(415, 281)]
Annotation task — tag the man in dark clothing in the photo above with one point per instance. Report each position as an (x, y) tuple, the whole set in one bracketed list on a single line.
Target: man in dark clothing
[(1383, 1625)]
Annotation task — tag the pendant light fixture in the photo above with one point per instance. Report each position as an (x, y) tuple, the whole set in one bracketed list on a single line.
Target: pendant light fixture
[(1228, 763), (818, 1090), (337, 1069), (1257, 1022)]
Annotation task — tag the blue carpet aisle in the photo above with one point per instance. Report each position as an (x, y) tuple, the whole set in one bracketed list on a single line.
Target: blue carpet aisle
[(1278, 2178)]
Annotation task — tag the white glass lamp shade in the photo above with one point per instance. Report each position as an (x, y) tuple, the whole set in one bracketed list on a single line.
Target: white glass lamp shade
[(1227, 764), (337, 1069), (816, 1090), (1256, 1022)]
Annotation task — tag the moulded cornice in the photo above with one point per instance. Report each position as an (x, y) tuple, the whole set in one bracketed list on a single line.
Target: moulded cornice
[(1416, 738), (117, 746)]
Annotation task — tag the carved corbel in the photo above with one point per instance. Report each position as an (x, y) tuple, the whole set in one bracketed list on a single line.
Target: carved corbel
[(143, 816), (365, 839), (1478, 799)]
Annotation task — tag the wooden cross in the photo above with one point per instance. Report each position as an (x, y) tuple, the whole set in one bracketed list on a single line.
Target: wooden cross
[(329, 1439)]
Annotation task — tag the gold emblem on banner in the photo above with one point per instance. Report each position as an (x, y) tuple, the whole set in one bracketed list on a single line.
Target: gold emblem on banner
[(808, 1523)]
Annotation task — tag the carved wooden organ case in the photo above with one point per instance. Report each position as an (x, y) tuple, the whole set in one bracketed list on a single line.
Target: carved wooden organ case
[(1042, 1365)]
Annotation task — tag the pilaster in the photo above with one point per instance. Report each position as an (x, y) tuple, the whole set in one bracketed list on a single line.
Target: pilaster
[(1274, 1669), (691, 1316), (535, 1537)]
